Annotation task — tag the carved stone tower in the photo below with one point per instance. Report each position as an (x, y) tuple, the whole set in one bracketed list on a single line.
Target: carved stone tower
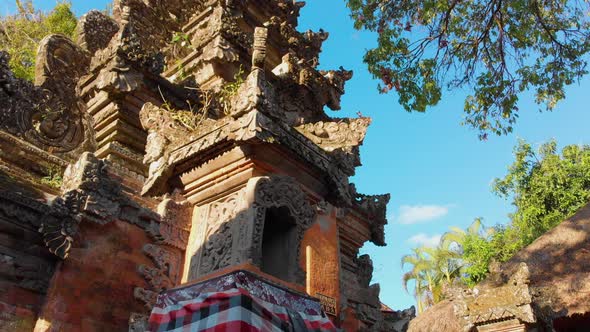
[(196, 143)]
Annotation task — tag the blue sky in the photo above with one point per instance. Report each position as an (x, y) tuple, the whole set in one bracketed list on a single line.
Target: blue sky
[(437, 171)]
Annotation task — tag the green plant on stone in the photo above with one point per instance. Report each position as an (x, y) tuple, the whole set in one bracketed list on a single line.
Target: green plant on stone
[(230, 89), (180, 38), (53, 178), (180, 44)]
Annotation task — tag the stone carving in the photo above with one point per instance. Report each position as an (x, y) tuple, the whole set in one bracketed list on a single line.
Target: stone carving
[(365, 268), (259, 52), (233, 228), (60, 64), (167, 261), (305, 90), (399, 321), (218, 238), (375, 208), (284, 191), (278, 192), (147, 297), (175, 225), (290, 10), (165, 274), (366, 296), (336, 134), (91, 195), (341, 137), (486, 304), (95, 31), (336, 80), (307, 45), (164, 135), (138, 322), (49, 115), (157, 280)]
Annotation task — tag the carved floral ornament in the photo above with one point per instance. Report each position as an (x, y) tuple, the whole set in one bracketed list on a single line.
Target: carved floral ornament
[(283, 191)]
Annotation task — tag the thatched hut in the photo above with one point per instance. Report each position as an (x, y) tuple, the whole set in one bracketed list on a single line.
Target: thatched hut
[(439, 318), (544, 287), (559, 266)]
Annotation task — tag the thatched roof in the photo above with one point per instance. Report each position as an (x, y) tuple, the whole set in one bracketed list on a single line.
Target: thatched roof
[(439, 318), (559, 267)]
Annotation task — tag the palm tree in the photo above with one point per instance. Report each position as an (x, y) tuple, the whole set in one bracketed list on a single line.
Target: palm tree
[(432, 268), (420, 273)]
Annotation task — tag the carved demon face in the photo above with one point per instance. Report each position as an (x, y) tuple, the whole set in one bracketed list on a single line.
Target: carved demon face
[(51, 125)]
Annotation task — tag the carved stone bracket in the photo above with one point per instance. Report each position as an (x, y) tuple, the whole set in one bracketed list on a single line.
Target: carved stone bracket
[(90, 194), (163, 276), (340, 137), (336, 134), (175, 225), (374, 207)]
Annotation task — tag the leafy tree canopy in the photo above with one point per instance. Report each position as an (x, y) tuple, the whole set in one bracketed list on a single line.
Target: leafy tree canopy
[(21, 33), (496, 49)]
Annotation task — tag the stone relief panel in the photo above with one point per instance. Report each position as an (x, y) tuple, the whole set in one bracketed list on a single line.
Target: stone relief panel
[(215, 228), (230, 231)]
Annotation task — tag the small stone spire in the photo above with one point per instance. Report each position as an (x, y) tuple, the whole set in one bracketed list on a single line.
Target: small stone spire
[(259, 52)]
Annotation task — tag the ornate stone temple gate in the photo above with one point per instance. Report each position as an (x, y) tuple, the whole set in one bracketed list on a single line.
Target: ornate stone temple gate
[(174, 143)]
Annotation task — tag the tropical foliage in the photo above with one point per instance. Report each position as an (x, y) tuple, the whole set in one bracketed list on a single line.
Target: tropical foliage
[(495, 49), (21, 33), (431, 269), (545, 187)]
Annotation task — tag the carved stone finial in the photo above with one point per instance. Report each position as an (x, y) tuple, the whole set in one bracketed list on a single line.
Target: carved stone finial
[(60, 64), (95, 30), (337, 79), (259, 54)]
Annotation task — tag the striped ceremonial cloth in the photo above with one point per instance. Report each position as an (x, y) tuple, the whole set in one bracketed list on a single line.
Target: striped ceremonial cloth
[(200, 308)]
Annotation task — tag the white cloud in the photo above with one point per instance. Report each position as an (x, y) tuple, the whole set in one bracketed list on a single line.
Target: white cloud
[(413, 214), (425, 240)]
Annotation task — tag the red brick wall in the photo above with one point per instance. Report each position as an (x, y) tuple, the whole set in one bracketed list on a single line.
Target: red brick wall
[(92, 290)]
